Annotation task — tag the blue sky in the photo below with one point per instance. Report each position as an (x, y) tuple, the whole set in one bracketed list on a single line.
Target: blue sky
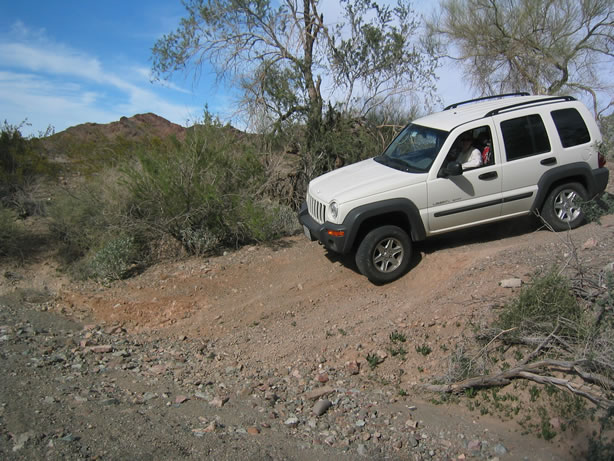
[(69, 62)]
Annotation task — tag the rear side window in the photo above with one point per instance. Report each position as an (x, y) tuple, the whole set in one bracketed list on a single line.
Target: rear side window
[(524, 136), (571, 127)]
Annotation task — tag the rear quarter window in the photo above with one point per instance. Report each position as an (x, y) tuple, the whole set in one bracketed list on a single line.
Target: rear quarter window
[(571, 127), (524, 137)]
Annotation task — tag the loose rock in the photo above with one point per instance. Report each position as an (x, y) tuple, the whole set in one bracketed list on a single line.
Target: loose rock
[(321, 407)]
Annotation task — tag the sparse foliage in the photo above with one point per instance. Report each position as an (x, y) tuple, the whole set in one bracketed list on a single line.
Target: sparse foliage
[(547, 318), (546, 304), (542, 46), (116, 259), (373, 360), (280, 53), (21, 161), (9, 232), (374, 57), (606, 125), (598, 207), (98, 240)]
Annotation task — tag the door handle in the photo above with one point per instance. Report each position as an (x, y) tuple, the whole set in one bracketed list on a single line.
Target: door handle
[(488, 176), (548, 161)]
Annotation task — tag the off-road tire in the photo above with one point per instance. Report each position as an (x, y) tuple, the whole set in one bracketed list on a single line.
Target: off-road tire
[(384, 254), (562, 208)]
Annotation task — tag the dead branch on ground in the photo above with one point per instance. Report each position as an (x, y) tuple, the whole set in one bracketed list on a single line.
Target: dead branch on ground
[(528, 371)]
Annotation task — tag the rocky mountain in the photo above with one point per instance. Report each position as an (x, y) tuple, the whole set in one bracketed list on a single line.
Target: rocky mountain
[(135, 128)]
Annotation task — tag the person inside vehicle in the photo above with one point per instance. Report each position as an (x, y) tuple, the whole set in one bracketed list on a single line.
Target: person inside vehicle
[(485, 144), (469, 157)]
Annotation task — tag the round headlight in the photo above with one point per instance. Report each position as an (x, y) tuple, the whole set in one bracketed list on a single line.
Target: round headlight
[(334, 210)]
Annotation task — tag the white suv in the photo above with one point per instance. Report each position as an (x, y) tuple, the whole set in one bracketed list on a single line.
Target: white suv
[(529, 154)]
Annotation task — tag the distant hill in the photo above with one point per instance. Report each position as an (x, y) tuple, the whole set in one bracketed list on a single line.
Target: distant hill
[(136, 128), (93, 145)]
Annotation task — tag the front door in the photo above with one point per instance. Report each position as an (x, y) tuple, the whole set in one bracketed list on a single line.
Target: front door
[(475, 195)]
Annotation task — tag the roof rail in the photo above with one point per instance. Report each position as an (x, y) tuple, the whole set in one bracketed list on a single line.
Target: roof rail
[(534, 101), (484, 98)]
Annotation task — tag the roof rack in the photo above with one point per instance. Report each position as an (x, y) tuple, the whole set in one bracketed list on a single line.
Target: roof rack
[(534, 101), (484, 98)]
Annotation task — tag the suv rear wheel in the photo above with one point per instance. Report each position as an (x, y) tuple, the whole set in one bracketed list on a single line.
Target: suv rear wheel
[(562, 208), (384, 254)]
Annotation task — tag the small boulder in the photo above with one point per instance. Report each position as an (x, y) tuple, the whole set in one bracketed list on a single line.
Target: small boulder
[(321, 407), (511, 283)]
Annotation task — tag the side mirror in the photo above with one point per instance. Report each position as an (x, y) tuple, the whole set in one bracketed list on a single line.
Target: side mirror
[(453, 169)]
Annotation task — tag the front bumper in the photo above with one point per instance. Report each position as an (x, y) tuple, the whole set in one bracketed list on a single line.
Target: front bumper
[(332, 236)]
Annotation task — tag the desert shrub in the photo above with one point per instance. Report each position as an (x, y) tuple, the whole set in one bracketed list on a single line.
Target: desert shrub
[(598, 207), (600, 446), (77, 221), (345, 140), (284, 220), (116, 259), (90, 155), (203, 192), (547, 313), (29, 199), (86, 216), (21, 160), (97, 238), (606, 124), (10, 232), (264, 220), (547, 301)]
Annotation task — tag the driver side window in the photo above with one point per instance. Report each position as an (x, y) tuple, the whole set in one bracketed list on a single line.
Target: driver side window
[(472, 149)]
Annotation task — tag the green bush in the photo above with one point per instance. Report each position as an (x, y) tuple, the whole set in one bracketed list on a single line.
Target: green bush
[(600, 446), (97, 239), (263, 220), (542, 305), (204, 192), (598, 207), (21, 160), (606, 124), (10, 232), (78, 221), (116, 259)]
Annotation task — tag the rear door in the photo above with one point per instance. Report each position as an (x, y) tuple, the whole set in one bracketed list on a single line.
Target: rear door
[(527, 154)]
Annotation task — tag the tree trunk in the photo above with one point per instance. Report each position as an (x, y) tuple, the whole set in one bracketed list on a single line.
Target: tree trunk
[(311, 29)]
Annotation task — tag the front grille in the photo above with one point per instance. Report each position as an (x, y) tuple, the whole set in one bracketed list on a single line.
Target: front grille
[(317, 210)]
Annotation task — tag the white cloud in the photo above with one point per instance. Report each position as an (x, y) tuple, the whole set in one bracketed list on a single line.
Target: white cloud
[(50, 60), (44, 80)]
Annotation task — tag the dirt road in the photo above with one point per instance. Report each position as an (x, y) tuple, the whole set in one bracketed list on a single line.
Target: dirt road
[(225, 358)]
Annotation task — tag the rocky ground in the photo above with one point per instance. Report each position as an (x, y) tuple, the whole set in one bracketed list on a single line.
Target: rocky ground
[(272, 352)]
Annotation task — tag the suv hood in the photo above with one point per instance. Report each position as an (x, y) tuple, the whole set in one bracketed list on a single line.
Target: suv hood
[(361, 180)]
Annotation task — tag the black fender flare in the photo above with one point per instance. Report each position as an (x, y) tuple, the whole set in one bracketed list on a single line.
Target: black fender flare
[(578, 172), (405, 207)]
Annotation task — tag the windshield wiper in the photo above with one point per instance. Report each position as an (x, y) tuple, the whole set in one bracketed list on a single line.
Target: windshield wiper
[(391, 162), (396, 164)]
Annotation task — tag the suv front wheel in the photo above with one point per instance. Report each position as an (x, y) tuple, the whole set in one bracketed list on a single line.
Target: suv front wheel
[(562, 208), (384, 254)]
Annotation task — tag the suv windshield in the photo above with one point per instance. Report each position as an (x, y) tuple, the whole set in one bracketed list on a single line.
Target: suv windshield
[(414, 149)]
